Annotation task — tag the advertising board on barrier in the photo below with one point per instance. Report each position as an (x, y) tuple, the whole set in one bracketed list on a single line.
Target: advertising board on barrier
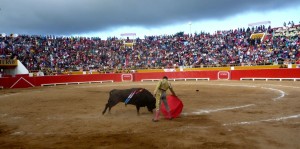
[(169, 70), (8, 62), (223, 75), (127, 77)]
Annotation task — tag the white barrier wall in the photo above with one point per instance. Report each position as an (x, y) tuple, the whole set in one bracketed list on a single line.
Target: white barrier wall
[(20, 69)]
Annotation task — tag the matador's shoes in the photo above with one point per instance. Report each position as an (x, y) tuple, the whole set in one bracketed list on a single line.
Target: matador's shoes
[(169, 116), (154, 120), (156, 116)]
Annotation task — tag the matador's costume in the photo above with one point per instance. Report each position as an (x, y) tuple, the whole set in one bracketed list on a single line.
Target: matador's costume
[(160, 94)]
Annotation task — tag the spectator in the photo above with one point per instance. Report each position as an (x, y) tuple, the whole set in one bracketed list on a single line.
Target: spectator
[(231, 47)]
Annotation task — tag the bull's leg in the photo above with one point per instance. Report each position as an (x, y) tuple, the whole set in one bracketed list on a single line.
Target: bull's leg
[(109, 108), (110, 104), (138, 110), (150, 110), (106, 106)]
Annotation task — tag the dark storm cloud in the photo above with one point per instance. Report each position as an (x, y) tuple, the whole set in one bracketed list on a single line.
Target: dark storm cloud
[(65, 17)]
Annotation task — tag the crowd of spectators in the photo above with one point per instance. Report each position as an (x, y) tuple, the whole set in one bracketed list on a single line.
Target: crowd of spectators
[(223, 48)]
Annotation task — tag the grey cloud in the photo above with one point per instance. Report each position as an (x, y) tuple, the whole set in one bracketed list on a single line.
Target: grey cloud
[(65, 17)]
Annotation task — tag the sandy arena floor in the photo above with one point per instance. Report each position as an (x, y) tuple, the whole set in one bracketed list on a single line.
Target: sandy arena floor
[(223, 114)]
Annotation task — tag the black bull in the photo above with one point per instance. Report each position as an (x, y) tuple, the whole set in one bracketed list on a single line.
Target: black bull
[(141, 98)]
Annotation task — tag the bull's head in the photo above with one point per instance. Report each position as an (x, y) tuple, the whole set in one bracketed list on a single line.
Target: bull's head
[(151, 106)]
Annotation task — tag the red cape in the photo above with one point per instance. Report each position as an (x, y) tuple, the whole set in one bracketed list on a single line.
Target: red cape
[(175, 105)]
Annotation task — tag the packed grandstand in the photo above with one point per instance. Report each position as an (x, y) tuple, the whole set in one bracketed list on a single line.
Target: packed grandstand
[(251, 46)]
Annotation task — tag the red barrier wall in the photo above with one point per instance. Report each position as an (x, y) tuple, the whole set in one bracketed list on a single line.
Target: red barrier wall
[(213, 75), (26, 81), (266, 73), (23, 81)]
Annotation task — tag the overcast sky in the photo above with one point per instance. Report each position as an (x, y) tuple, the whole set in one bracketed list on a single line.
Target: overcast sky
[(144, 17)]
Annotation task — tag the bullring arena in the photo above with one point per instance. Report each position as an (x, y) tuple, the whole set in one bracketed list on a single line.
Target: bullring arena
[(222, 114)]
